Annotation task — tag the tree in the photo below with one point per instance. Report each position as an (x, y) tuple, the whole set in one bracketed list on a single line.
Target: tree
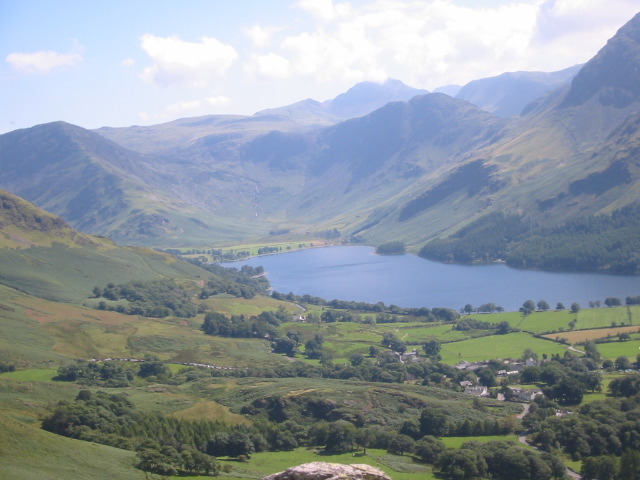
[(401, 443), (429, 448), (432, 349), (341, 436), (503, 328), (622, 363), (313, 347), (543, 305), (560, 306), (152, 366), (433, 421), (575, 307), (612, 302), (356, 359), (463, 464), (629, 465), (411, 428), (569, 391), (239, 443), (528, 307), (285, 345), (468, 308)]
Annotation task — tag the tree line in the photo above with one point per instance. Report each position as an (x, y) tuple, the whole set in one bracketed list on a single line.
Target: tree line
[(597, 242)]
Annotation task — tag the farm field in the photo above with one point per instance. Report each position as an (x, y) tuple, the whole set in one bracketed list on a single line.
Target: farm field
[(501, 346), (614, 350), (579, 336)]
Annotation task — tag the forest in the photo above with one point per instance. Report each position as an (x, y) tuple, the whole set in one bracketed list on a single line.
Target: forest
[(598, 242)]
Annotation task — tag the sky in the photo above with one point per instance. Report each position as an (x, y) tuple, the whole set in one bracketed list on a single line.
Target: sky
[(141, 62)]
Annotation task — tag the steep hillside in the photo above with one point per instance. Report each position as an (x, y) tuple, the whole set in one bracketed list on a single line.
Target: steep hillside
[(100, 187), (42, 255), (573, 155)]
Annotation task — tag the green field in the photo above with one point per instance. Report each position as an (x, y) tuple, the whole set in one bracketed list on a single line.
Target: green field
[(498, 346), (613, 350)]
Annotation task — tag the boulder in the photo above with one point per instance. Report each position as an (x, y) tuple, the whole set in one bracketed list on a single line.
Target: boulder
[(330, 471)]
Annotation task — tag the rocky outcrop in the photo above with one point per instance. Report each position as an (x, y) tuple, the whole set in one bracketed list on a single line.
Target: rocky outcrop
[(330, 471)]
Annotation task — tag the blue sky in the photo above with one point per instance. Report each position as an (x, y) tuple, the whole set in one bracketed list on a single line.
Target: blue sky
[(121, 63)]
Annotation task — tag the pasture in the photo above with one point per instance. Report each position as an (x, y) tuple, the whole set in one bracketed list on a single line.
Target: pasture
[(511, 345)]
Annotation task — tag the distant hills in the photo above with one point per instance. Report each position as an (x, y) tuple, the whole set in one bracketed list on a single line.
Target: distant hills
[(506, 95), (378, 163)]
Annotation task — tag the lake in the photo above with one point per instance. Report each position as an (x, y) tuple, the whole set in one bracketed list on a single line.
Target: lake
[(357, 273)]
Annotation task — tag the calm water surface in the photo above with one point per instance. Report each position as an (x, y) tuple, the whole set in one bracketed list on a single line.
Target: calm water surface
[(357, 273)]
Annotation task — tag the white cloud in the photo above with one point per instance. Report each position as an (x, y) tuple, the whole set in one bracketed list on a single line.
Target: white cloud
[(261, 36), (186, 106), (42, 62), (189, 64), (218, 100), (325, 9), (429, 43), (269, 66)]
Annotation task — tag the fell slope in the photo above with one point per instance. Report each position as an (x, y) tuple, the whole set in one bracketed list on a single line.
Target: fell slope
[(42, 255)]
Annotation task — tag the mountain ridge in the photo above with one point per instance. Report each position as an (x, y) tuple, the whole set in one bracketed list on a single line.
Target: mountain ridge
[(405, 171)]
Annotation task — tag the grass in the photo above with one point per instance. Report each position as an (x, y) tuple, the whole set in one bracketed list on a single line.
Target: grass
[(38, 332), (32, 375), (265, 463), (457, 442), (606, 317), (502, 346), (549, 321), (29, 453), (614, 350), (67, 274)]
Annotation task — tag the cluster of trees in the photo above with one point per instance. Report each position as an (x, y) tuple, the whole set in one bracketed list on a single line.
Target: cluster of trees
[(263, 325), (499, 461), (7, 367), (156, 298), (627, 386), (467, 324), (484, 308), (246, 282), (108, 374), (167, 461), (603, 242), (391, 248), (602, 428), (164, 445), (112, 373), (420, 314), (485, 240)]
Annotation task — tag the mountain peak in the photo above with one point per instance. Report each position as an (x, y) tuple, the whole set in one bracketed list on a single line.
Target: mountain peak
[(613, 75), (366, 97)]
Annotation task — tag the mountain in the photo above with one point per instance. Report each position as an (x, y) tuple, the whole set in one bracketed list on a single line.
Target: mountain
[(411, 170), (361, 99), (506, 95), (98, 186)]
